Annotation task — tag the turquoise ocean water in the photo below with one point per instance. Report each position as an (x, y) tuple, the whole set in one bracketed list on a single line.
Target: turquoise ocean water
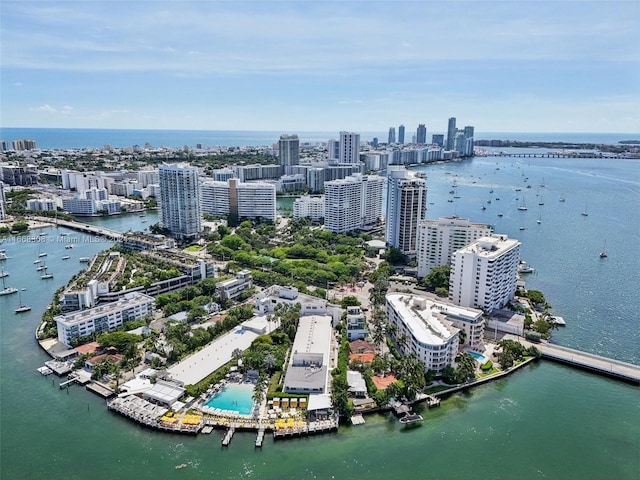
[(547, 421)]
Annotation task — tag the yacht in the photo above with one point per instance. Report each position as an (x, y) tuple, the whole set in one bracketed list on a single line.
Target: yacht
[(84, 259), (66, 257), (524, 267), (46, 275), (522, 206), (21, 306), (7, 290), (411, 419)]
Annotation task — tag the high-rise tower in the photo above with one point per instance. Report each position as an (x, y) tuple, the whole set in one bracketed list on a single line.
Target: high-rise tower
[(401, 134), (180, 200), (451, 133), (349, 147), (406, 207), (421, 134), (289, 150), (392, 135)]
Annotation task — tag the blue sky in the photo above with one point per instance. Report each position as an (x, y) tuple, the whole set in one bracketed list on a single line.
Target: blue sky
[(505, 66)]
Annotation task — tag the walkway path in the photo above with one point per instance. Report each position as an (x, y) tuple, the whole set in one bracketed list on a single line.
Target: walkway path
[(606, 366)]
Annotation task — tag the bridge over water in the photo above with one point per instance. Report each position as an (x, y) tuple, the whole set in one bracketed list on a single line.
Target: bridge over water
[(628, 372), (84, 228)]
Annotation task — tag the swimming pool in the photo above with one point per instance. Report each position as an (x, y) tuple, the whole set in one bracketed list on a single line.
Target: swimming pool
[(478, 356), (234, 397)]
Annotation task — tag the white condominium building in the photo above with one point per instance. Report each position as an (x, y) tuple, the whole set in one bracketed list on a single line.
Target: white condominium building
[(243, 200), (430, 329), (484, 273), (353, 202), (438, 239), (349, 147), (406, 207), (309, 206), (180, 200), (105, 318)]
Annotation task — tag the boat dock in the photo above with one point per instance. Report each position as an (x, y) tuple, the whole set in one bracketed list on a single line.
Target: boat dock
[(586, 361), (357, 420), (260, 437), (101, 390), (228, 436)]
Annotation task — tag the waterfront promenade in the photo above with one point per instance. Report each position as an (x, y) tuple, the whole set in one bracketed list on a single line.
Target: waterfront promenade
[(588, 361)]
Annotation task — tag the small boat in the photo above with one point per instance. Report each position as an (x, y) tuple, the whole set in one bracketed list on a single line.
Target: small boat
[(541, 202), (68, 247), (524, 267), (449, 200), (411, 419), (483, 207), (46, 275), (3, 256), (561, 198), (40, 268), (3, 274), (66, 257), (523, 228), (64, 234), (7, 290), (585, 213), (500, 215), (542, 184), (37, 261), (522, 206), (43, 254), (489, 201), (21, 306), (84, 259), (603, 253)]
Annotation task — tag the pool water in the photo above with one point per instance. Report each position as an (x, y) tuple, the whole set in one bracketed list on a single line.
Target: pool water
[(234, 397), (481, 358)]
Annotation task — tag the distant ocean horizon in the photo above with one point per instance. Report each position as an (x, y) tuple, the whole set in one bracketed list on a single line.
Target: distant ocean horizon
[(78, 138)]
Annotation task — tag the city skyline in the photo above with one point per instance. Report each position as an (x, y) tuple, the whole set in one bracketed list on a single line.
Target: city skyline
[(353, 66)]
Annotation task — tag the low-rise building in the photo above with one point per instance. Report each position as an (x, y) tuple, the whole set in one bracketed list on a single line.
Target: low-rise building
[(429, 329), (308, 370), (356, 324), (104, 318), (230, 289)]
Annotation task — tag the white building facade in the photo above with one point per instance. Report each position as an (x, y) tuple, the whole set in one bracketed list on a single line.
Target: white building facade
[(406, 208), (349, 147), (245, 200), (484, 273), (309, 206), (105, 318), (438, 239), (352, 203), (180, 200), (426, 329)]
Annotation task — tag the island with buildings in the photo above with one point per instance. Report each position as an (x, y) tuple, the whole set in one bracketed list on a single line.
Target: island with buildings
[(226, 315)]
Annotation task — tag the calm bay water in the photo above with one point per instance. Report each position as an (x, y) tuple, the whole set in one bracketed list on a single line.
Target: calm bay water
[(547, 421)]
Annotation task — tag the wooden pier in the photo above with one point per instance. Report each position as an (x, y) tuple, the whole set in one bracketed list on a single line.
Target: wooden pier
[(228, 436)]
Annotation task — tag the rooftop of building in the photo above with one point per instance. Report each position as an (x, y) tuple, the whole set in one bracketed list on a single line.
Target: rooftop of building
[(127, 300), (420, 315), (490, 246)]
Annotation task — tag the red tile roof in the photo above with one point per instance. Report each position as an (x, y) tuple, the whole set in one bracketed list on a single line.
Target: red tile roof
[(360, 346), (362, 357), (91, 347), (382, 383)]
